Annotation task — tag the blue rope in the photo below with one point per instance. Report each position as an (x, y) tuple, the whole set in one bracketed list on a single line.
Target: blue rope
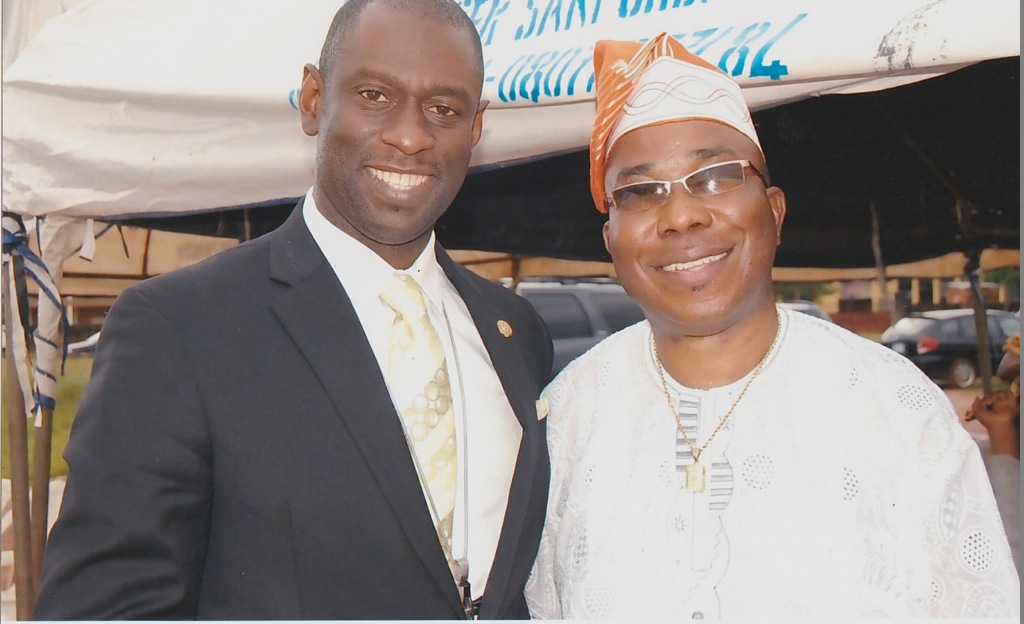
[(15, 243)]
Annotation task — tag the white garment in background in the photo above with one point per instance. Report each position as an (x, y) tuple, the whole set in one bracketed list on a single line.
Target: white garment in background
[(842, 486)]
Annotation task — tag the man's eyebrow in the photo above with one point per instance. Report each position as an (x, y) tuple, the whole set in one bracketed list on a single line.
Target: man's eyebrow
[(390, 79), (702, 153), (374, 75), (640, 169), (705, 153)]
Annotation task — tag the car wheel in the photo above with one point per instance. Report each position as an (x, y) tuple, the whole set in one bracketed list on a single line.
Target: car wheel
[(963, 373)]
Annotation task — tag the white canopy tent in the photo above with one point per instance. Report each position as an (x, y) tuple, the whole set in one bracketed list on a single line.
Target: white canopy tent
[(118, 107)]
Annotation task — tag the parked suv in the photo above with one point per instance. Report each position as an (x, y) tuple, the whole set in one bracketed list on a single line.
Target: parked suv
[(579, 313), (943, 342)]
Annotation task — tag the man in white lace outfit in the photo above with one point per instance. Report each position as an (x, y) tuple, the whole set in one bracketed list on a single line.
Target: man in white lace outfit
[(726, 458)]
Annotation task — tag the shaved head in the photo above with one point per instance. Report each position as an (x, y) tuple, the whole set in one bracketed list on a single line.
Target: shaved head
[(347, 17)]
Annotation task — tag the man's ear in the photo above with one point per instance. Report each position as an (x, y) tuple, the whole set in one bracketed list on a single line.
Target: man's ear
[(604, 233), (777, 200), (478, 121), (309, 99)]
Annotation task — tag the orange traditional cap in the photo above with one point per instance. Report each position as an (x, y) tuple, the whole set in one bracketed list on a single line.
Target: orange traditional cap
[(638, 85)]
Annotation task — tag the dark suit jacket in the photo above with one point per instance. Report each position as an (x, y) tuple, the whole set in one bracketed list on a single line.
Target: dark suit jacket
[(237, 456)]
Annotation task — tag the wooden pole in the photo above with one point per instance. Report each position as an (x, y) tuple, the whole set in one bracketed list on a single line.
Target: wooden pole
[(41, 493), (885, 302), (980, 320), (17, 436)]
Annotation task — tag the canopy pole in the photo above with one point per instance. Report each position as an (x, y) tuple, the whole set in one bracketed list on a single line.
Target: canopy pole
[(516, 270), (971, 268), (885, 302), (40, 481), (17, 436)]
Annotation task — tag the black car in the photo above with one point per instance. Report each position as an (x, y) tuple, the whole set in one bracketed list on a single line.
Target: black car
[(943, 343), (579, 313)]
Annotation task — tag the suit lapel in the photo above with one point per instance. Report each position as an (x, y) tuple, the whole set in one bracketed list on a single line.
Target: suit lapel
[(319, 317), (509, 365)]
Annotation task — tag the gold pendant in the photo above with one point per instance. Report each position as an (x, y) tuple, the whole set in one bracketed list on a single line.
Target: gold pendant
[(695, 474)]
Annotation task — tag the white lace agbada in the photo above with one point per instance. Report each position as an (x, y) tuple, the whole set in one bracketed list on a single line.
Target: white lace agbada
[(842, 486)]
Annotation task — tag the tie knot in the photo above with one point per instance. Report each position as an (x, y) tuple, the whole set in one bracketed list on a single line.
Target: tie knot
[(403, 295)]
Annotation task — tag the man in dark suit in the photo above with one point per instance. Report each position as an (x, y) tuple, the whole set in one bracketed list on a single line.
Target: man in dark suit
[(239, 453)]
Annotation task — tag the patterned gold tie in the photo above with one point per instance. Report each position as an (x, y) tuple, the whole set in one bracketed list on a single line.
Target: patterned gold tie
[(418, 380)]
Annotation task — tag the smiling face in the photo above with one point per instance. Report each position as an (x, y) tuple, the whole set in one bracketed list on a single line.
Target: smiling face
[(696, 265), (396, 120)]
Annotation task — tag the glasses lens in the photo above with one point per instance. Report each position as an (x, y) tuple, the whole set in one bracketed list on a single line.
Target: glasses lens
[(715, 179), (639, 196)]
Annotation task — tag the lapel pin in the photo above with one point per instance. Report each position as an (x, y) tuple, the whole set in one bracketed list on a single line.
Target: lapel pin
[(505, 329)]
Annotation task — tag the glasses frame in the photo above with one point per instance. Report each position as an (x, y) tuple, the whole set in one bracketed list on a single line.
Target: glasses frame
[(667, 184)]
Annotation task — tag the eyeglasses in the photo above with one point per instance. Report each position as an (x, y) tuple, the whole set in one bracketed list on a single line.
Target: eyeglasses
[(711, 180)]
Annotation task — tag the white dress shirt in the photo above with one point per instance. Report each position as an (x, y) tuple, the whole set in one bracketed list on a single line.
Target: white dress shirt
[(487, 431)]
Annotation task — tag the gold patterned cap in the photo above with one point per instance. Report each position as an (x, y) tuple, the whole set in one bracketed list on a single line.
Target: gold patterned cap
[(654, 83)]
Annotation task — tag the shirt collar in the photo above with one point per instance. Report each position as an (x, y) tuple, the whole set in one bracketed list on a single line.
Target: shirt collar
[(360, 269)]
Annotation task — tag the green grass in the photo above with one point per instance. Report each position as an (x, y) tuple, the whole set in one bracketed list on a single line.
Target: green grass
[(70, 387)]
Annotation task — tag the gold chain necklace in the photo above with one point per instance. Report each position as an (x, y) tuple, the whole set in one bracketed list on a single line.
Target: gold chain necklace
[(696, 474)]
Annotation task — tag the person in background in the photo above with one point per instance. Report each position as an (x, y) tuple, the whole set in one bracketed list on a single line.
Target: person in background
[(999, 413), (335, 420), (725, 458)]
